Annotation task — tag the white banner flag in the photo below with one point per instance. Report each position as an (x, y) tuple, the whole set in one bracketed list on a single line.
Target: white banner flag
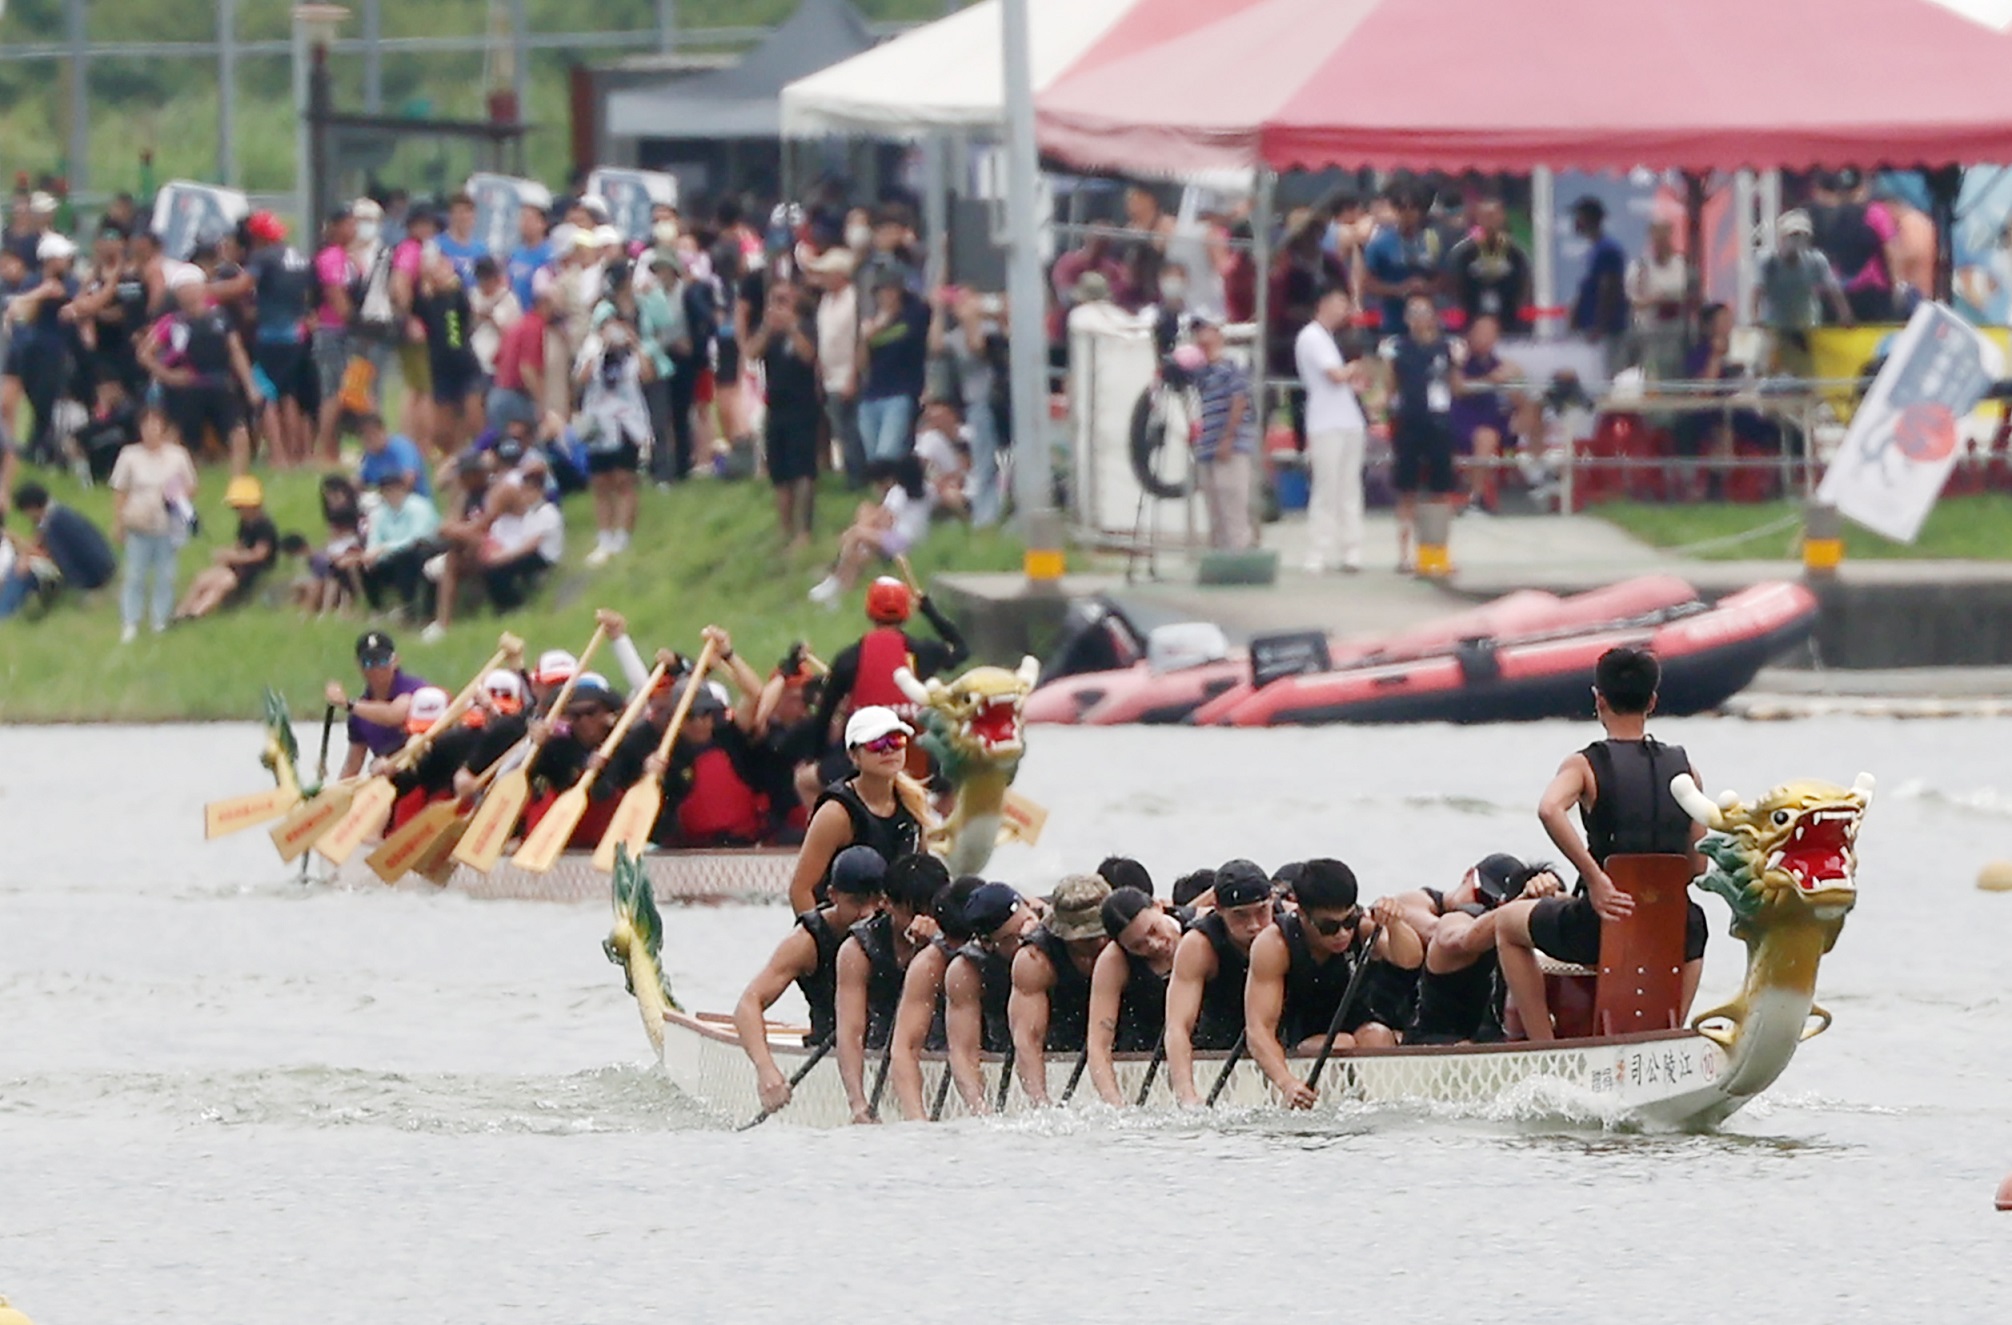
[(1904, 437)]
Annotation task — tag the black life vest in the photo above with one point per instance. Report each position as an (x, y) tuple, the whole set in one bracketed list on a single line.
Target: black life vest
[(1313, 988), (1457, 1005), (884, 977), (719, 806), (1142, 1011), (893, 836), (1068, 999), (995, 975), (1633, 810), (820, 986), (1221, 1019)]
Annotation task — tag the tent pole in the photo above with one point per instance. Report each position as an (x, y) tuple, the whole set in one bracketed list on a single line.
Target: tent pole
[(1945, 186), (1743, 237), (936, 210), (1694, 241), (1543, 248), (1032, 485), (1262, 206)]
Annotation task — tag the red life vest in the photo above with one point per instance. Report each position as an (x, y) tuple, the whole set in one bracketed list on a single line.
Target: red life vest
[(881, 651), (720, 805)]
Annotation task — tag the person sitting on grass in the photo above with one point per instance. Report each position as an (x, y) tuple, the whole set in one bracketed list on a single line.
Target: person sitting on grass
[(66, 552), (386, 453), (888, 529), (236, 569), (336, 563), (526, 539), (942, 445), (399, 542), (464, 528)]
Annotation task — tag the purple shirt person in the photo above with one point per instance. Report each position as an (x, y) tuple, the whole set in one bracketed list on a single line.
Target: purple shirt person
[(376, 717)]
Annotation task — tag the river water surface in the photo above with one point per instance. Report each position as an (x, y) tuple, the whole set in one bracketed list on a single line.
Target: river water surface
[(225, 1097)]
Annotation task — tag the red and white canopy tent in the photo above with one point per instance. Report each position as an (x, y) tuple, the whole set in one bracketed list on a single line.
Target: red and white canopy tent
[(1457, 85)]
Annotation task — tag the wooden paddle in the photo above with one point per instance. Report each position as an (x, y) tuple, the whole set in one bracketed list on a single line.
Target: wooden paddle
[(795, 1080), (542, 845), (1021, 819), (1152, 1070), (642, 803), (1006, 1079), (908, 574), (372, 800), (942, 1094), (1223, 1077), (880, 1081), (1076, 1074), (481, 844), (1341, 1009), (222, 818), (416, 837)]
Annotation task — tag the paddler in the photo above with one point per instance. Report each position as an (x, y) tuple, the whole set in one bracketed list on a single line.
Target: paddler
[(1128, 990), (1049, 1010), (1621, 788), (809, 959), (1300, 972), (431, 777), (1205, 997), (862, 674), (574, 748), (377, 716), (501, 724), (978, 986), (918, 1022), (710, 799), (873, 962), (1458, 991), (878, 806)]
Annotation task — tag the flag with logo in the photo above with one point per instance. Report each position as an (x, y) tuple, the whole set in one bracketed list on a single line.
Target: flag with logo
[(1904, 437)]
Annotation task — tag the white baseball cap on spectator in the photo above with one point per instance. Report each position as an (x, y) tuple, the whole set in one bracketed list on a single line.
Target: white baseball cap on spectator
[(1794, 222), (41, 203), (53, 246), (596, 206), (534, 195), (366, 209), (184, 274)]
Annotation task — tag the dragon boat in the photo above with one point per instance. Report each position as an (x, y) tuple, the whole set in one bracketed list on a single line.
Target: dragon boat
[(1785, 863)]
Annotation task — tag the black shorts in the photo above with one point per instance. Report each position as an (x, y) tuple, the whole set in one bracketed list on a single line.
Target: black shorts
[(727, 371), (290, 370), (1568, 928), (1423, 448), (195, 409), (624, 459), (792, 447), (452, 387)]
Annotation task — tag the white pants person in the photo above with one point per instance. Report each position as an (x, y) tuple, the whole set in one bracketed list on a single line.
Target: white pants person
[(1226, 490), (1334, 504)]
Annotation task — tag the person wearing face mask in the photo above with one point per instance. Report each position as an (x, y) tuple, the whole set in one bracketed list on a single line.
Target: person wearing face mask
[(1793, 279)]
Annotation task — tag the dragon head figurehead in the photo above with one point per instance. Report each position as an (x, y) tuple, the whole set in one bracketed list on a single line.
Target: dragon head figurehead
[(636, 944), (281, 755), (1787, 864), (974, 728), (1791, 855)]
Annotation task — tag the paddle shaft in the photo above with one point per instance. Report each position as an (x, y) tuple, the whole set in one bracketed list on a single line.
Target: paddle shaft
[(795, 1080), (880, 1081), (1341, 1008), (1076, 1074), (508, 647), (320, 772), (1229, 1066), (942, 1093), (542, 845), (1152, 1070), (1005, 1080), (633, 830)]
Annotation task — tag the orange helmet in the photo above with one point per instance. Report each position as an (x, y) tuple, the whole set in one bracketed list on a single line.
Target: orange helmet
[(888, 601)]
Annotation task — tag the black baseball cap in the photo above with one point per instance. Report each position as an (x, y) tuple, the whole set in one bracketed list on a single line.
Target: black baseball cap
[(990, 907), (1495, 877), (374, 649), (1241, 883), (860, 871)]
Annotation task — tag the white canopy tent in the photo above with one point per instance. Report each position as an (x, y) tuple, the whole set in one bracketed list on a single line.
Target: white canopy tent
[(942, 78)]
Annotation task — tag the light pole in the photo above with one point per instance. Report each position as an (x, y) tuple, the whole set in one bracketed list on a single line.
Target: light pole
[(1032, 484), (314, 27)]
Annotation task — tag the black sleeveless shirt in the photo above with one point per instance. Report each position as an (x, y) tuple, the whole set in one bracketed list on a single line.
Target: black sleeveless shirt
[(1633, 810), (1068, 1000), (995, 974), (820, 986), (1456, 1005), (893, 836), (1222, 1015), (1313, 988), (883, 977)]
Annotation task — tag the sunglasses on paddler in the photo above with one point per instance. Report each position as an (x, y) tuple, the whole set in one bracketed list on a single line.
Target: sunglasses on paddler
[(887, 744), (1328, 926)]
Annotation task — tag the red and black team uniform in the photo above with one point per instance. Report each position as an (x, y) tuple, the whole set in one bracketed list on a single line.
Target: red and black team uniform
[(863, 674)]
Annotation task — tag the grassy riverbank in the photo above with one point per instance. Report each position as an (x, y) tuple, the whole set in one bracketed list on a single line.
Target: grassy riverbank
[(705, 552), (1977, 528)]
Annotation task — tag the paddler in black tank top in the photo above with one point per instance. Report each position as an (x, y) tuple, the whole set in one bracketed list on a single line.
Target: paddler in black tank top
[(873, 963), (1458, 992), (1205, 997), (979, 984), (1621, 788), (876, 807), (808, 958), (1300, 972), (1049, 1011), (918, 1023), (1128, 990)]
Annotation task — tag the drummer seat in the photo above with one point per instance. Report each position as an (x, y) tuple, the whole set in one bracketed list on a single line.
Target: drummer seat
[(1641, 985)]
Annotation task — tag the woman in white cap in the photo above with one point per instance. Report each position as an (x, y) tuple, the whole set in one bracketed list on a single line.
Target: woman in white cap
[(879, 806), (36, 355)]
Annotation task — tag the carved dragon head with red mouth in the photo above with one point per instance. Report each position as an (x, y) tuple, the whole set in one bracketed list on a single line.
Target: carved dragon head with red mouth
[(1796, 846)]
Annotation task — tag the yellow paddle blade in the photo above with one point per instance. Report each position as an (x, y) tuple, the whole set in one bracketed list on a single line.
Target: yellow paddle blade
[(222, 818), (481, 846), (436, 864), (402, 850), (297, 832), (634, 818), (366, 816), (1021, 820), (544, 843)]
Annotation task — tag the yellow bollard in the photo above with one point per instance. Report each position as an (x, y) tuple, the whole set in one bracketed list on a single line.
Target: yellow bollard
[(1822, 539), (1044, 562), (1434, 527)]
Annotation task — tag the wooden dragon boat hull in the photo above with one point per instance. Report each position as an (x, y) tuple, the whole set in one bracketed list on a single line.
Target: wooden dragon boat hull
[(751, 874), (1663, 1081)]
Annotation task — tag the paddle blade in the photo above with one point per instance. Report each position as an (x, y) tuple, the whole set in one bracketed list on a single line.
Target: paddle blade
[(543, 844), (436, 865), (366, 816), (297, 832), (494, 820), (222, 818), (414, 838), (1021, 820), (634, 818)]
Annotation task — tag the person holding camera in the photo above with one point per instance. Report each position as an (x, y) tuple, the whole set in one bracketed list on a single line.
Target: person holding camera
[(610, 373)]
